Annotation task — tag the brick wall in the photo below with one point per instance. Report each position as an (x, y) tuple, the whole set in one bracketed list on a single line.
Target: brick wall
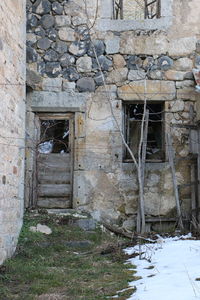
[(12, 120)]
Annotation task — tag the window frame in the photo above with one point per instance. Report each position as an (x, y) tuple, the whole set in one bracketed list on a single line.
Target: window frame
[(126, 128), (106, 21)]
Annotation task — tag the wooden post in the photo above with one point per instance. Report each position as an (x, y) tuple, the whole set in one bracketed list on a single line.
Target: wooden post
[(141, 212), (172, 165)]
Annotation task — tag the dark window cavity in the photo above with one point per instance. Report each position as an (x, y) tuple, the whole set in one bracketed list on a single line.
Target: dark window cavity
[(132, 130)]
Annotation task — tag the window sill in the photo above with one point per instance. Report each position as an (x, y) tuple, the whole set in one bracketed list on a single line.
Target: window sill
[(126, 25)]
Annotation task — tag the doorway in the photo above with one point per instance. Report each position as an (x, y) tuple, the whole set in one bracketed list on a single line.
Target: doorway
[(54, 160)]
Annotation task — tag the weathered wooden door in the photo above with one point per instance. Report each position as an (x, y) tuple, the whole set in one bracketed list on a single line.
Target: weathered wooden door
[(55, 161)]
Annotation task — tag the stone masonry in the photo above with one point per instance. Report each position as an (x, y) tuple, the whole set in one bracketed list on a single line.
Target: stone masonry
[(12, 123), (64, 75)]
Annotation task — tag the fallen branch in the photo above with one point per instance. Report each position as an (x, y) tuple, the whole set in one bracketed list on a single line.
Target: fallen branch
[(133, 236)]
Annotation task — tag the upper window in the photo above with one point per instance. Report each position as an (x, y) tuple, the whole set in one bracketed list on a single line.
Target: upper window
[(124, 15), (136, 9)]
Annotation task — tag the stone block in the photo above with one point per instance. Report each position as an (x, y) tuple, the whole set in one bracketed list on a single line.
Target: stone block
[(66, 34), (112, 45), (86, 85), (118, 61), (52, 85), (62, 21), (68, 86), (117, 76), (136, 75), (84, 64), (47, 21), (182, 46), (174, 75), (155, 90), (186, 93), (184, 64)]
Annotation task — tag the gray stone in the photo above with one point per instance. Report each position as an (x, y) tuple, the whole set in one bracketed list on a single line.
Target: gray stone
[(71, 74), (30, 39), (112, 45), (156, 74), (84, 64), (134, 62), (52, 34), (129, 224), (136, 75), (31, 55), (99, 79), (104, 62), (86, 224), (66, 34), (69, 86), (148, 63), (52, 84), (60, 47), (51, 55), (53, 69), (41, 67), (44, 43), (198, 46), (165, 63), (42, 7), (78, 48), (189, 76), (86, 85), (32, 79), (81, 19), (197, 61), (67, 60), (62, 21), (43, 229), (40, 31), (99, 47), (32, 22), (47, 21), (83, 33), (57, 8), (78, 244)]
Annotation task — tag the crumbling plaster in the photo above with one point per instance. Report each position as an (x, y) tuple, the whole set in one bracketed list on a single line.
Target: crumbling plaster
[(104, 184)]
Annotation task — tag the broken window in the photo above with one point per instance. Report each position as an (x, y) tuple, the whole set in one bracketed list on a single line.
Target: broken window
[(155, 138), (136, 9), (54, 137)]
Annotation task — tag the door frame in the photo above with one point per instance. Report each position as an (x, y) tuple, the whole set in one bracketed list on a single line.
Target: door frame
[(33, 138)]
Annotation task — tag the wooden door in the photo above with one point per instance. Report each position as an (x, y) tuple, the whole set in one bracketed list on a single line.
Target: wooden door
[(55, 161)]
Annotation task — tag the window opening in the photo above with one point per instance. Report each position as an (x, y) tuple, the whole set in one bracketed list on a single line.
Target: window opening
[(136, 9), (54, 137), (155, 138)]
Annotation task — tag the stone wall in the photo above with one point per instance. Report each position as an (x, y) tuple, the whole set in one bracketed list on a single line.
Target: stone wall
[(61, 60), (12, 120)]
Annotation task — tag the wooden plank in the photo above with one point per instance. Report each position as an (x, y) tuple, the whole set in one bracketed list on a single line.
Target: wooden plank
[(54, 203), (55, 177), (54, 190), (171, 157)]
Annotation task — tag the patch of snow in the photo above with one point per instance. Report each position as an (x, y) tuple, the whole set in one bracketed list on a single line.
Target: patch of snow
[(41, 228), (169, 269)]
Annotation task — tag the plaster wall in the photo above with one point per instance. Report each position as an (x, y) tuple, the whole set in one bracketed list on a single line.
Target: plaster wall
[(12, 122), (163, 51)]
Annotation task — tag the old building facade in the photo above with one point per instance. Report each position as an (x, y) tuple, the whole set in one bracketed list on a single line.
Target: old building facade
[(141, 57), (12, 123)]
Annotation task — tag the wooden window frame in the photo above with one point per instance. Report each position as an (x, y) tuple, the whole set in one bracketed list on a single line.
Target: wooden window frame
[(126, 130)]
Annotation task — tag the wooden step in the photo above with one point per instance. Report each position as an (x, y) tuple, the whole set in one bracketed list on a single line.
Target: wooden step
[(46, 202), (54, 190)]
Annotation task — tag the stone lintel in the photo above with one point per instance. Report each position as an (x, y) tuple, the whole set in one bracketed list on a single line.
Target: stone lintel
[(155, 90)]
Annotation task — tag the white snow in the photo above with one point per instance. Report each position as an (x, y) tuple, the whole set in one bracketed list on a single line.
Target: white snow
[(169, 270)]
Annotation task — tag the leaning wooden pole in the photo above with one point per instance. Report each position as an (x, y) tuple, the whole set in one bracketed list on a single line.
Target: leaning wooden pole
[(171, 157)]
